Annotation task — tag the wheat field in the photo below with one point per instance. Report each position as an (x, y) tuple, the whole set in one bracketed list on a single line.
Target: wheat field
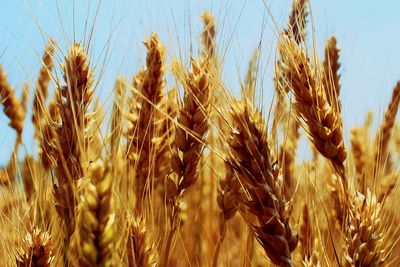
[(184, 172)]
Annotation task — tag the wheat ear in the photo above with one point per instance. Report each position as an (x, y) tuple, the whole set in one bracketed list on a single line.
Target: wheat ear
[(190, 134), (149, 84), (297, 20), (263, 205), (36, 251), (383, 136), (70, 137), (323, 122), (139, 247), (330, 74), (12, 106), (41, 91), (97, 227), (364, 235)]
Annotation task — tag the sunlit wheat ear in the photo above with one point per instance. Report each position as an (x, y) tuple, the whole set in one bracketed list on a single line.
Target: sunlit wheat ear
[(287, 157), (365, 244), (249, 87), (190, 134), (208, 35), (296, 29), (70, 135), (322, 121), (97, 227), (297, 20), (359, 151), (117, 115), (382, 156), (148, 94), (331, 74), (263, 206), (139, 247), (12, 105), (36, 250), (41, 91)]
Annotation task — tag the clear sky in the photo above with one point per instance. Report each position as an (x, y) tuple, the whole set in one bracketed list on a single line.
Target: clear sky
[(368, 33)]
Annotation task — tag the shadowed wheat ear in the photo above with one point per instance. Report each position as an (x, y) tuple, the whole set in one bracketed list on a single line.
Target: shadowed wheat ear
[(36, 250), (307, 239), (228, 189), (263, 206), (323, 122), (139, 247), (287, 157), (97, 228), (141, 148)]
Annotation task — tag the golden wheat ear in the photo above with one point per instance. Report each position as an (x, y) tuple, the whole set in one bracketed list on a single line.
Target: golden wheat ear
[(297, 20), (139, 247), (36, 250), (41, 91), (97, 227), (190, 134), (12, 105), (263, 206), (323, 122), (147, 99), (69, 137), (365, 244), (383, 136)]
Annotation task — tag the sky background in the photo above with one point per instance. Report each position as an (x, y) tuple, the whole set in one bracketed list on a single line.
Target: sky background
[(368, 33)]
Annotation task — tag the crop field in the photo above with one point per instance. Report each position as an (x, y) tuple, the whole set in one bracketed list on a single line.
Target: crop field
[(180, 164)]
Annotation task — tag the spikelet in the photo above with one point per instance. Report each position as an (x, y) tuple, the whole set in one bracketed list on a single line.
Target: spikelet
[(263, 205), (139, 247), (41, 91), (37, 250), (70, 134), (323, 123), (12, 106), (364, 235), (97, 228), (149, 83)]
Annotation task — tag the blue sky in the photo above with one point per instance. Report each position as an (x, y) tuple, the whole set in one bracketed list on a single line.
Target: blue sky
[(367, 31)]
